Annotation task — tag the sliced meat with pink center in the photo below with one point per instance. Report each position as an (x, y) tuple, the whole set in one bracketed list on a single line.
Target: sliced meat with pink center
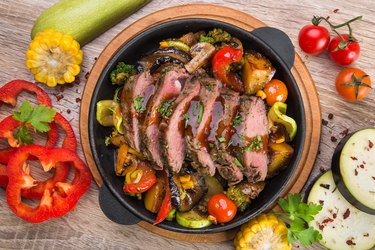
[(134, 98), (161, 107), (249, 143), (197, 142), (172, 135)]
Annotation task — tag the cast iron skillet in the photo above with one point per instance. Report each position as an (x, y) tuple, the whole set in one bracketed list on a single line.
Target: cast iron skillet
[(272, 43)]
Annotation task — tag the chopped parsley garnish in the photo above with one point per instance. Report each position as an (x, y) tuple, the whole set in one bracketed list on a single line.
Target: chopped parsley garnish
[(186, 118), (237, 120), (165, 109), (238, 163), (200, 114), (211, 145), (230, 143), (255, 144), (221, 139), (138, 104)]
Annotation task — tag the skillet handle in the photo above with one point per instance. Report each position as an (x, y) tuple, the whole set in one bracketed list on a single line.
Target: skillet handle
[(279, 42), (115, 211)]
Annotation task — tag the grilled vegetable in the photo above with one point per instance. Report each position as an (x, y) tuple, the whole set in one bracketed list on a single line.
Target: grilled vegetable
[(277, 114), (265, 231), (353, 168), (239, 198), (154, 196), (202, 53), (54, 58), (192, 219), (216, 35), (256, 72), (84, 20), (280, 155), (342, 225), (122, 73), (108, 113)]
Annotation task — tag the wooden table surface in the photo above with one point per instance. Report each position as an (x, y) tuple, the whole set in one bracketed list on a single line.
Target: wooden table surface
[(86, 227)]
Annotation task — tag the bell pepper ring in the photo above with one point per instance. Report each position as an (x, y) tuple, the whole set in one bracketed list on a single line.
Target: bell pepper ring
[(55, 202), (3, 175), (166, 205), (139, 180), (10, 91), (221, 67), (62, 169)]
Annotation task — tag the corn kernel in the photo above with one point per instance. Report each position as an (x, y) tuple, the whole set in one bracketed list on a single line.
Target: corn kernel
[(54, 58)]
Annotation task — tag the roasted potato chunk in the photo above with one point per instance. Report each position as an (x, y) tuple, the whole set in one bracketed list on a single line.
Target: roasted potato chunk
[(257, 71), (280, 155)]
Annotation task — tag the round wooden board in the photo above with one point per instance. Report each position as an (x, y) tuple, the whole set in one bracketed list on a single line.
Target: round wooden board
[(240, 19)]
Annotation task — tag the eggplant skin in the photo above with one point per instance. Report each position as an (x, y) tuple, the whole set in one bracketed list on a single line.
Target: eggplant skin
[(338, 175), (185, 200)]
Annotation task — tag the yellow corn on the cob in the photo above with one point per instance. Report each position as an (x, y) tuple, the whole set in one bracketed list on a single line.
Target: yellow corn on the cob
[(54, 58), (266, 231)]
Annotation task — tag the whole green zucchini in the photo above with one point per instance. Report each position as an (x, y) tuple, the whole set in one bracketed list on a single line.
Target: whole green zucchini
[(84, 20)]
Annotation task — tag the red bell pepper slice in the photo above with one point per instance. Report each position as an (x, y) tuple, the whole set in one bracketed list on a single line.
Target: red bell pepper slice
[(166, 205), (140, 180), (10, 91), (55, 202), (62, 169), (221, 63), (3, 175)]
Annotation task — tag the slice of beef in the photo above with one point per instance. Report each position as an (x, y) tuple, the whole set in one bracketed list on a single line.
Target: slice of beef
[(172, 130), (134, 98), (170, 87), (198, 145), (251, 138), (220, 134)]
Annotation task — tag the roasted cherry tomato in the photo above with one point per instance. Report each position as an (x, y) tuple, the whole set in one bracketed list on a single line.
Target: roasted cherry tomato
[(276, 91), (222, 208), (313, 39), (346, 55), (139, 180), (353, 84), (221, 67)]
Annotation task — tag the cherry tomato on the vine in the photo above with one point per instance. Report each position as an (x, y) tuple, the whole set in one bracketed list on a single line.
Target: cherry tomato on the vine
[(222, 208), (276, 91), (346, 55), (353, 84), (313, 39)]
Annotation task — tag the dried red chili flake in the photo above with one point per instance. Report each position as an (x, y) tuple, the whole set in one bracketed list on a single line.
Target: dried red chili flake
[(58, 96), (333, 139), (321, 202), (327, 220), (78, 100), (322, 169), (334, 215), (95, 58), (366, 235), (87, 75), (330, 116), (346, 214), (68, 111), (350, 243), (355, 172), (353, 158), (326, 186), (373, 177), (321, 227), (335, 10), (345, 132), (77, 80), (370, 144), (362, 166), (324, 122)]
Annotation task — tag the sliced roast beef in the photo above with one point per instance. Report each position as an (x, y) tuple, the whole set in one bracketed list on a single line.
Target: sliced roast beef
[(197, 143), (163, 100), (172, 130), (134, 97), (220, 134), (251, 138)]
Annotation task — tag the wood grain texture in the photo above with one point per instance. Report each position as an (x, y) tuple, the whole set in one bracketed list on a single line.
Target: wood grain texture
[(86, 227)]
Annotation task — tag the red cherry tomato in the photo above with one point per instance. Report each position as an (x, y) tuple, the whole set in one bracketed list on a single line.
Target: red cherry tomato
[(346, 84), (346, 55), (222, 208), (276, 91), (313, 39)]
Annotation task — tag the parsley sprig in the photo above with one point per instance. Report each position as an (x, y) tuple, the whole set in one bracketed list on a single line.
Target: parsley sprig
[(165, 109), (38, 117), (138, 104), (298, 214)]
